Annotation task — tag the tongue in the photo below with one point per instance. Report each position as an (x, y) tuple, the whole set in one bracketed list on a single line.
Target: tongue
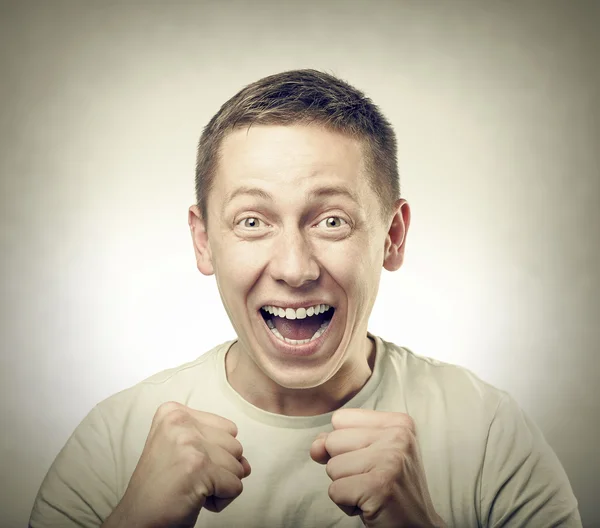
[(300, 328)]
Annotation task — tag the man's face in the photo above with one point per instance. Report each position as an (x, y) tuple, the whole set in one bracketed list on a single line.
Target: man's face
[(293, 224)]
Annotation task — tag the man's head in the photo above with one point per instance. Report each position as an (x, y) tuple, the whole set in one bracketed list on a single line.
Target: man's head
[(305, 97), (299, 215)]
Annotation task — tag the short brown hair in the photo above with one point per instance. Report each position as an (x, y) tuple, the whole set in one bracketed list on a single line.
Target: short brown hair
[(304, 97)]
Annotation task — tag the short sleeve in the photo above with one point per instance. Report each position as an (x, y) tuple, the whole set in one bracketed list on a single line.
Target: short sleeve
[(522, 481), (79, 488)]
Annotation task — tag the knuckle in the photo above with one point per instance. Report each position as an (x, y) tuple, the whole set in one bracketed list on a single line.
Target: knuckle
[(330, 441), (393, 459), (409, 423), (401, 437), (239, 471), (397, 434), (237, 487), (238, 449), (412, 446), (177, 416), (330, 468), (196, 461), (232, 428), (167, 407), (185, 438), (333, 491)]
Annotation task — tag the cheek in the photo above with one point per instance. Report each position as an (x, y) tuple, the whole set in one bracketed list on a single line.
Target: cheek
[(352, 267), (240, 264)]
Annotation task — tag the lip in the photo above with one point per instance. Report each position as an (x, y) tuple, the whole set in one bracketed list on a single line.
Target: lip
[(295, 305), (305, 350)]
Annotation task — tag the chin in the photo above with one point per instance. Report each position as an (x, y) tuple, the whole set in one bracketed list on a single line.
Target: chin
[(298, 366), (298, 380), (304, 372)]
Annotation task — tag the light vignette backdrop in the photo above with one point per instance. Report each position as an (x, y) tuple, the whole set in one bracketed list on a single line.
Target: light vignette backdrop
[(101, 105)]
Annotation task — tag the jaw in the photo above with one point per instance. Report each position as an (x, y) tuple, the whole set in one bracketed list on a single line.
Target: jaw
[(298, 386), (299, 366)]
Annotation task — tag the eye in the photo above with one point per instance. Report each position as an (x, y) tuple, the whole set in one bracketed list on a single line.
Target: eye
[(249, 222), (333, 221)]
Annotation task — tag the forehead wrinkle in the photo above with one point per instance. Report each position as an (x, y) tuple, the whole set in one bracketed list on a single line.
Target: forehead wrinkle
[(332, 190), (251, 191), (312, 194), (301, 170)]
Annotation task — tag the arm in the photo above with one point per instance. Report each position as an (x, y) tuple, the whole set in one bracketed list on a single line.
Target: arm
[(190, 461), (522, 481), (79, 490)]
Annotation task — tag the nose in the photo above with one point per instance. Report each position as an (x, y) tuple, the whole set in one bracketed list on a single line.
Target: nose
[(293, 261)]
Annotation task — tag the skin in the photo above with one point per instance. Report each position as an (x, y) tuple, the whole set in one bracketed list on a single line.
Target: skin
[(290, 253), (374, 462), (191, 459)]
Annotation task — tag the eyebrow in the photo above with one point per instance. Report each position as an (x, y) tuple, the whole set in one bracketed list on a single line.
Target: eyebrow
[(320, 192)]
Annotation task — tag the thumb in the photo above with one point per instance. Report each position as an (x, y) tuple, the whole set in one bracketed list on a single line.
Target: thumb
[(318, 451)]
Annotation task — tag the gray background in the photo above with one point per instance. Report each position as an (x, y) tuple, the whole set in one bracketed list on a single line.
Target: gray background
[(101, 104)]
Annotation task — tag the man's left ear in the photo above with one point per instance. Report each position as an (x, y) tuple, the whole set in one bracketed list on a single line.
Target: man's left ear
[(395, 241)]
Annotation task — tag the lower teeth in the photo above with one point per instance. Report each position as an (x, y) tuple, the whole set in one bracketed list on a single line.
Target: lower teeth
[(317, 334)]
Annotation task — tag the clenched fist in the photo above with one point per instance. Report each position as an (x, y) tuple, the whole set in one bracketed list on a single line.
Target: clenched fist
[(191, 460), (373, 460)]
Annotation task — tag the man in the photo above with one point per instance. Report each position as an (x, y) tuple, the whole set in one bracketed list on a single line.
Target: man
[(306, 419)]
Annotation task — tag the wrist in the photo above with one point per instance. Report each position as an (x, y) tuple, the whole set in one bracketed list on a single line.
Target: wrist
[(121, 518)]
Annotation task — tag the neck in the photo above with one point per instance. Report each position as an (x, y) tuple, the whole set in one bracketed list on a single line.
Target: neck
[(259, 390)]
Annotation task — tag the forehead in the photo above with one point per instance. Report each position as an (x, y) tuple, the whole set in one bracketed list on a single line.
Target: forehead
[(289, 157)]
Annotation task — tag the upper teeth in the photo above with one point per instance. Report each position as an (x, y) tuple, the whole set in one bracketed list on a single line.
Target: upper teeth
[(300, 313)]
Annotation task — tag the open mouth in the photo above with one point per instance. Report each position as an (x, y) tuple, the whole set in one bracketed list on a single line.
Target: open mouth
[(298, 327)]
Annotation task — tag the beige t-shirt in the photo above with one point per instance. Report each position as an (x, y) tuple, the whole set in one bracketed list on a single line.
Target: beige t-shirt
[(486, 462)]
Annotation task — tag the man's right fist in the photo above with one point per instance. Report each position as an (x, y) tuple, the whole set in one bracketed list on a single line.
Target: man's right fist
[(191, 460)]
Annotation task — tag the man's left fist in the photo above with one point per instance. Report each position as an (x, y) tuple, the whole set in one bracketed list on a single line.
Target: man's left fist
[(374, 462)]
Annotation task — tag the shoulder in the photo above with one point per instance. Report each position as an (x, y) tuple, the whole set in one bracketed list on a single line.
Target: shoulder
[(180, 384), (427, 373), (433, 387)]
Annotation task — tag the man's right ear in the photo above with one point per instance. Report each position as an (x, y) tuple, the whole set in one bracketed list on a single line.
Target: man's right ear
[(200, 240)]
